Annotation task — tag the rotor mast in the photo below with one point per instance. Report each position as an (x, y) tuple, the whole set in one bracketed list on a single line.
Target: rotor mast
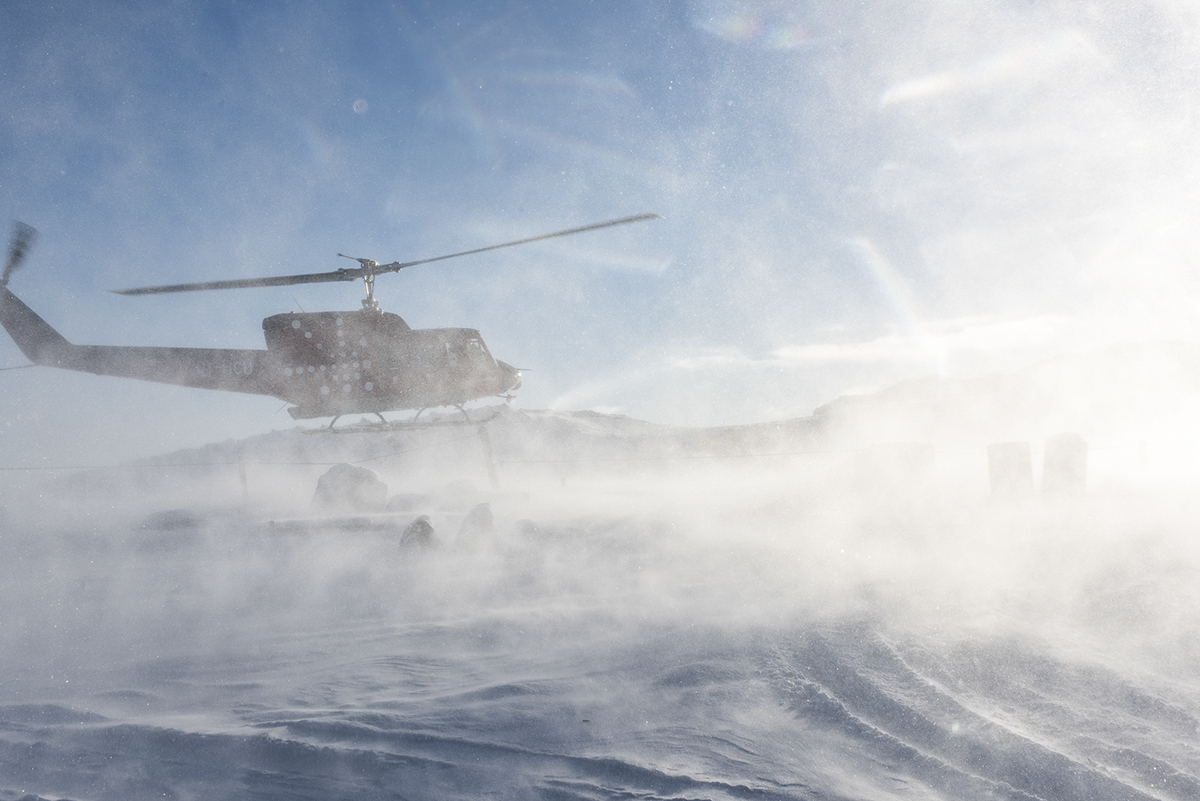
[(368, 267)]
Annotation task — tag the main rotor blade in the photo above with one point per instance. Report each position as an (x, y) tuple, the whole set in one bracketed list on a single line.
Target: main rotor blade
[(23, 237), (245, 283), (362, 272), (396, 266)]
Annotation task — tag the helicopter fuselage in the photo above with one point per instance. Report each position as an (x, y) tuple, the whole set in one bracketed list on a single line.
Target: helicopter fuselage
[(326, 364), (334, 363)]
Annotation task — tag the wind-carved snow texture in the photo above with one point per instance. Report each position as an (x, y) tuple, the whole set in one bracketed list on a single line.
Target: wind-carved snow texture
[(1007, 723), (635, 612)]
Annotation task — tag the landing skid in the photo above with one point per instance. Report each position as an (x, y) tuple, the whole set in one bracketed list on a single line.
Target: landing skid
[(337, 417), (456, 406), (385, 425)]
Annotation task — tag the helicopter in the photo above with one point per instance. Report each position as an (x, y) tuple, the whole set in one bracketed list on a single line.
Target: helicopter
[(323, 364)]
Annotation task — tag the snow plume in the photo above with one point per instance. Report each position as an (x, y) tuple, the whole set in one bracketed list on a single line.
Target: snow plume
[(639, 609)]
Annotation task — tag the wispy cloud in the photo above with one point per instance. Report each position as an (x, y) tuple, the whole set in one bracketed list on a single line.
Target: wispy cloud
[(1037, 60), (954, 340)]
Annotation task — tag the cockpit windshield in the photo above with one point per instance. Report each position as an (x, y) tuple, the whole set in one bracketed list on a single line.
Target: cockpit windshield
[(477, 352)]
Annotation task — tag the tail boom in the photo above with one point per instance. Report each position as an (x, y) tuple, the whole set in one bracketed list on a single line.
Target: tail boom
[(249, 371)]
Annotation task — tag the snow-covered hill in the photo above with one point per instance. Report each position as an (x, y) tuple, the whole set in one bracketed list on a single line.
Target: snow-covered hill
[(790, 610)]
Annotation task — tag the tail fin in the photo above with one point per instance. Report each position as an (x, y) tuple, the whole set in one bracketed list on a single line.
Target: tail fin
[(33, 335)]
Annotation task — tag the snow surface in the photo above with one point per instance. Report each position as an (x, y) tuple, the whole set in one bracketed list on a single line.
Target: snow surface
[(656, 613)]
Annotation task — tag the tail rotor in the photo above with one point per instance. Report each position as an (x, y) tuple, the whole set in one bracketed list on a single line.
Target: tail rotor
[(23, 237)]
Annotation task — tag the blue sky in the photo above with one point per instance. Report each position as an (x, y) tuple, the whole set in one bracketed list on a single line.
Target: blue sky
[(853, 194)]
